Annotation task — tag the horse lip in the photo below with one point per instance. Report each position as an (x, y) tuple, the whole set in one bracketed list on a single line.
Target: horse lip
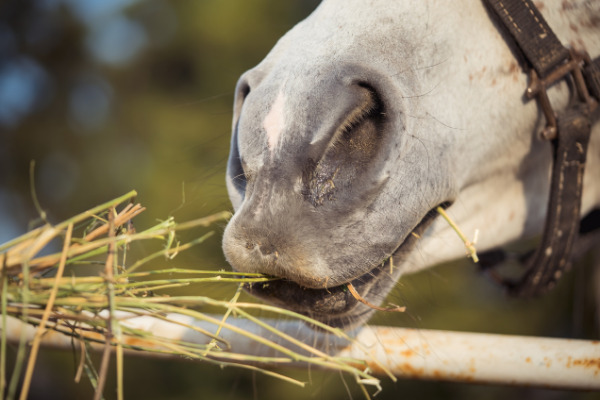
[(335, 306), (321, 304), (331, 305), (293, 290)]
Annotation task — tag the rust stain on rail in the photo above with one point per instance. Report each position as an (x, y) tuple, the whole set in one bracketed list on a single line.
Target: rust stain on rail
[(587, 363)]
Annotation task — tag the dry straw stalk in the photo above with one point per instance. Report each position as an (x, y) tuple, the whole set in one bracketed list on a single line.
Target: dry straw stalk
[(94, 310)]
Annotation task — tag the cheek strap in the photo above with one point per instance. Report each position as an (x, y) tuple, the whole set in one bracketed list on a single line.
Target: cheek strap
[(569, 134)]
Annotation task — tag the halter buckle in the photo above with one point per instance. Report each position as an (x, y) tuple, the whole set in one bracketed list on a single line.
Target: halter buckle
[(538, 87)]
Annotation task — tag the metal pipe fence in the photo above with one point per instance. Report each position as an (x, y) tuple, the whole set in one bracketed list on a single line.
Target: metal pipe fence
[(407, 353)]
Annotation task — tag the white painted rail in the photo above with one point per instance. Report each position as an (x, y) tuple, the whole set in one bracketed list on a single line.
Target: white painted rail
[(408, 353)]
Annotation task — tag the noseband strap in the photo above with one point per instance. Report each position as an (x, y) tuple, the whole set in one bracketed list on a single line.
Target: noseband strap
[(569, 134)]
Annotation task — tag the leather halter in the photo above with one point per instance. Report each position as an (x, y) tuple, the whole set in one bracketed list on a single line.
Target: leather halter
[(568, 133)]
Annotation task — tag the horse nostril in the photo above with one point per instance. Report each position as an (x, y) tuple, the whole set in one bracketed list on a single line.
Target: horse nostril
[(352, 147)]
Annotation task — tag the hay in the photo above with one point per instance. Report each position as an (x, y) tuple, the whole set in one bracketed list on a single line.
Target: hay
[(93, 310), (469, 244)]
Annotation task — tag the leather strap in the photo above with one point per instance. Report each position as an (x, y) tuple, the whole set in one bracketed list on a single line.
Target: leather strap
[(532, 33), (591, 74), (552, 256), (570, 135)]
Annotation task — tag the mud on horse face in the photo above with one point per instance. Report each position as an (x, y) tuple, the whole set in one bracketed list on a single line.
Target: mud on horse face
[(364, 118)]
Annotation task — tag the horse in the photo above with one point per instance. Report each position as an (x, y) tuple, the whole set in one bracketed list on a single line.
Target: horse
[(368, 116)]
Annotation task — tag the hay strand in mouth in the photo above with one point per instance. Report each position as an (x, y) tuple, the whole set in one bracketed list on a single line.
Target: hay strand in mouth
[(469, 245), (357, 296)]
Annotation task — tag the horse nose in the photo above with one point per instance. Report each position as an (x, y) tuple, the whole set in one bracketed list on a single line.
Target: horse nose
[(253, 250)]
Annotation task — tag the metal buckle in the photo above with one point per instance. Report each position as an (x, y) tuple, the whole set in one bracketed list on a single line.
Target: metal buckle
[(538, 88)]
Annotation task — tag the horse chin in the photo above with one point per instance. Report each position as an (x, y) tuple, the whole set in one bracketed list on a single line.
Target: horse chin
[(336, 306)]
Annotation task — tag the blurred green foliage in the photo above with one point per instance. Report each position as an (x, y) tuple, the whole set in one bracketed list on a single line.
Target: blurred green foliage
[(113, 95), (157, 121)]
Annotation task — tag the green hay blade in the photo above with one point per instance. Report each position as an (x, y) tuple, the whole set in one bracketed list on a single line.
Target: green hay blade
[(86, 307)]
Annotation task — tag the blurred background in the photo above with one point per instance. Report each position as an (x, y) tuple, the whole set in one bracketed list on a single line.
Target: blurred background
[(107, 96)]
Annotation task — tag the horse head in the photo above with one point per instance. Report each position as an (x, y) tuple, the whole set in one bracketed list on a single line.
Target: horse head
[(362, 120)]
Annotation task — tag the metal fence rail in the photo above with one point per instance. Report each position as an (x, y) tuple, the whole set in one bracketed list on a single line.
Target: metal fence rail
[(407, 353)]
